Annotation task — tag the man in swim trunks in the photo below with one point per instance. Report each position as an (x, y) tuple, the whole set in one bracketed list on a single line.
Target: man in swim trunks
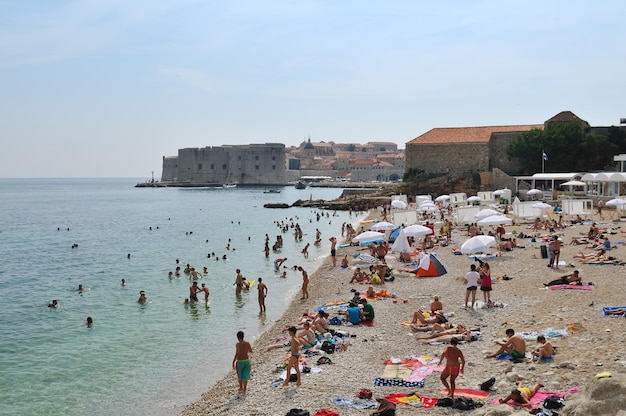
[(193, 292), (279, 262), (333, 250), (241, 362), (294, 357), (514, 345), (543, 350), (455, 364)]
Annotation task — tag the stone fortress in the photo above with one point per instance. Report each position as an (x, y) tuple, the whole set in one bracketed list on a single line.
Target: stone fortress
[(274, 164)]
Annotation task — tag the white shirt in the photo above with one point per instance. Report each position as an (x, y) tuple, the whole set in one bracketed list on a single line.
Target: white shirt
[(472, 278)]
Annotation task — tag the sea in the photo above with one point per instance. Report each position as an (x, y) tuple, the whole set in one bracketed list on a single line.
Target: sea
[(151, 358)]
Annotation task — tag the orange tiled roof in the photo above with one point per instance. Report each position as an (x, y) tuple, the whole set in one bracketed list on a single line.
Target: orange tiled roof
[(468, 134)]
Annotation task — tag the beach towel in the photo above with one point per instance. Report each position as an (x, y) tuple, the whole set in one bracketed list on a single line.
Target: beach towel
[(548, 333), (544, 360), (394, 382), (607, 309), (573, 287), (575, 327), (507, 356), (412, 399), (539, 397), (357, 403), (472, 394)]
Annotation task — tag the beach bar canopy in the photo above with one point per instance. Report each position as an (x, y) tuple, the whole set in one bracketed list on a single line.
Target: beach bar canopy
[(545, 181), (606, 183)]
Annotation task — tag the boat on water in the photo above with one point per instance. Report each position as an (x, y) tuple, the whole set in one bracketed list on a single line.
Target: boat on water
[(229, 185), (301, 185), (271, 191)]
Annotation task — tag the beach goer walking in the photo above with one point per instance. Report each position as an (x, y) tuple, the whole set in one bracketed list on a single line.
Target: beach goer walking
[(471, 281), (514, 345), (455, 364), (294, 357), (262, 288), (600, 205), (485, 282), (305, 283), (241, 362), (556, 252), (333, 250), (305, 250)]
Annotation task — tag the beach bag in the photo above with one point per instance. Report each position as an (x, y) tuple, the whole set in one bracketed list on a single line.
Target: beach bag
[(324, 360), (463, 403), (328, 347), (335, 320), (553, 402), (364, 394), (487, 385), (298, 412)]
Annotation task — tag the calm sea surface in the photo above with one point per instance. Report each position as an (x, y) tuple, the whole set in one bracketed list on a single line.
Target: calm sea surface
[(153, 358)]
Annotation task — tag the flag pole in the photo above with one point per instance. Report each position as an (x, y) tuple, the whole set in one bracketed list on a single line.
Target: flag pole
[(543, 162)]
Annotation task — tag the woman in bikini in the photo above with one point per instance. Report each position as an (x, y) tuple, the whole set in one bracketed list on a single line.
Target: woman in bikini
[(522, 395), (294, 357)]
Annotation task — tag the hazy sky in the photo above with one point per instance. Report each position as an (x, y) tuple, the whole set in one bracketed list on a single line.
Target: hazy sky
[(106, 88)]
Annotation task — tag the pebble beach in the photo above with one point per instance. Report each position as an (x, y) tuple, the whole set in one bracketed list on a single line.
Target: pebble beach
[(588, 342)]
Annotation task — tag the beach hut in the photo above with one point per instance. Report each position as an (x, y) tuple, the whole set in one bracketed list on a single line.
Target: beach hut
[(430, 266)]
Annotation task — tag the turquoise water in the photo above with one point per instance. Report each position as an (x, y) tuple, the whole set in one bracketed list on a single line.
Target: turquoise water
[(152, 358)]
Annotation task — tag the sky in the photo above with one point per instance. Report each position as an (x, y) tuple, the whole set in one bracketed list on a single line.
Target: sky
[(106, 88)]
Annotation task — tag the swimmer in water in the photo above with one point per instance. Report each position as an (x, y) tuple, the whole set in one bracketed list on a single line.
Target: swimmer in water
[(53, 304), (89, 322), (142, 297), (80, 288), (123, 282)]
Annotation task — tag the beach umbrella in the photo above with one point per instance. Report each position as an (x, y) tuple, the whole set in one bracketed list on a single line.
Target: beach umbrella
[(534, 192), (442, 198), (615, 202), (485, 213), (398, 204), (474, 198), (430, 266), (394, 234), (477, 243), (425, 203), (383, 225), (429, 208), (499, 192), (416, 230), (541, 206), (401, 244), (368, 236), (495, 220), (516, 201)]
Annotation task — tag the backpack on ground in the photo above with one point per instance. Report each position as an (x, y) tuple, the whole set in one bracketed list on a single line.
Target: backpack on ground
[(553, 402), (445, 402), (487, 385)]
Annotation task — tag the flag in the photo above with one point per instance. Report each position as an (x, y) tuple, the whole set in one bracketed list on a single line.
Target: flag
[(545, 156)]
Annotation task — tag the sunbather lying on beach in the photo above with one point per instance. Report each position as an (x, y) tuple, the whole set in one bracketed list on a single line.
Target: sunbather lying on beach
[(620, 311), (431, 327), (463, 336), (437, 318), (440, 331), (522, 395), (568, 279)]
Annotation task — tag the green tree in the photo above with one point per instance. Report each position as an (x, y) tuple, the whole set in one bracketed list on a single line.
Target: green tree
[(569, 147), (351, 148)]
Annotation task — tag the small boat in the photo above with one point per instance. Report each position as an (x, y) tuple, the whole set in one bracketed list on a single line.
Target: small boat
[(301, 184), (229, 185), (271, 191)]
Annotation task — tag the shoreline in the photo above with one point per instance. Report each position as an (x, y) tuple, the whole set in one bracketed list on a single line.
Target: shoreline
[(260, 341), (529, 307)]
